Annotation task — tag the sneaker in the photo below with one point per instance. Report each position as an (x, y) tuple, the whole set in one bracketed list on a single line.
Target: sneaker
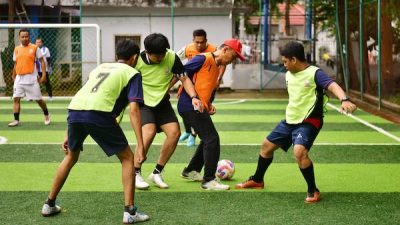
[(47, 120), (214, 185), (313, 197), (184, 136), (14, 123), (138, 217), (192, 175), (158, 180), (140, 183), (250, 183), (191, 141), (50, 211)]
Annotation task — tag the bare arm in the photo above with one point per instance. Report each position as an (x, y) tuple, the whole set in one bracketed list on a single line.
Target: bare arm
[(347, 106), (173, 82), (189, 88), (14, 73), (43, 64), (135, 118)]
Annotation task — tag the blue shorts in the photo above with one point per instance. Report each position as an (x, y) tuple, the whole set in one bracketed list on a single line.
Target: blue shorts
[(111, 138), (284, 135)]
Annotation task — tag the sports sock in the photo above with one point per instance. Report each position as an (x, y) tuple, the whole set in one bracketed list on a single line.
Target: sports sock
[(308, 174), (158, 169), (138, 170), (46, 112), (131, 209), (50, 202), (16, 116), (262, 166)]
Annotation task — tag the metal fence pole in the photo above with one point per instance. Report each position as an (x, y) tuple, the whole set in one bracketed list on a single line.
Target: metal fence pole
[(361, 49), (379, 54)]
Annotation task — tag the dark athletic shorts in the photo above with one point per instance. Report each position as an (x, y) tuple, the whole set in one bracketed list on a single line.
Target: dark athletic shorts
[(110, 138), (161, 114), (284, 135)]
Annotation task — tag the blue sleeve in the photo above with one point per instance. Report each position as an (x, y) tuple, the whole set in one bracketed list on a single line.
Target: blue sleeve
[(135, 89), (194, 65), (322, 79)]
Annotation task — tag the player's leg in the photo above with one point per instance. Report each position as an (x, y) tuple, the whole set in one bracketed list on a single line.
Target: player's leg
[(303, 138), (18, 93), (167, 122), (187, 132), (48, 86), (33, 92), (279, 137), (193, 169), (76, 137), (131, 215)]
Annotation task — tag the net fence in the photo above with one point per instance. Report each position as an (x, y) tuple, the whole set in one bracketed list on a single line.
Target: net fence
[(74, 53)]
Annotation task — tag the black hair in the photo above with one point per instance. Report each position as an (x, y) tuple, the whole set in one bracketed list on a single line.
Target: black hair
[(126, 49), (292, 50), (200, 32), (23, 30), (156, 43)]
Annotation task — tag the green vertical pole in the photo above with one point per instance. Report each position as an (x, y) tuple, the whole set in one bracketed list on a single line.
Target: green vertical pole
[(361, 49), (346, 47), (172, 24), (379, 54), (260, 32), (339, 38)]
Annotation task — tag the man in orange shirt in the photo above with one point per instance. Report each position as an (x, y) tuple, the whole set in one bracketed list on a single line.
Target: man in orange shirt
[(203, 70), (25, 76), (199, 45)]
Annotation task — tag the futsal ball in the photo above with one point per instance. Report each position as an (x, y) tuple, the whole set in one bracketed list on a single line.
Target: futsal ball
[(225, 169)]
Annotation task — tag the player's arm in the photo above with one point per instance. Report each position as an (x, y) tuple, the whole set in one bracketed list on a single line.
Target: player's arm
[(179, 71), (64, 144), (14, 72), (135, 97), (323, 80), (40, 57)]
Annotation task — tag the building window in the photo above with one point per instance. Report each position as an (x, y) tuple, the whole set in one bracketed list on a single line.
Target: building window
[(134, 38)]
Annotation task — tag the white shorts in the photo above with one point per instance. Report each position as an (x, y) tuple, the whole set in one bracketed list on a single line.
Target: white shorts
[(30, 91)]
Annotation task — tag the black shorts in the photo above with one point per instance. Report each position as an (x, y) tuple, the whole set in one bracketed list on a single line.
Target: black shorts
[(161, 114), (111, 138)]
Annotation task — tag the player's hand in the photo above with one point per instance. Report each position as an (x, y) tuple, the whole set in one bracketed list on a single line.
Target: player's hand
[(347, 107), (197, 104), (212, 110), (43, 79), (64, 146), (139, 156)]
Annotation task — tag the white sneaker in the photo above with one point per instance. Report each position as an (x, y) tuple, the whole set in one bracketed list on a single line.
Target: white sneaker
[(47, 120), (214, 185), (138, 217), (49, 211), (158, 180), (13, 123), (140, 183), (192, 175)]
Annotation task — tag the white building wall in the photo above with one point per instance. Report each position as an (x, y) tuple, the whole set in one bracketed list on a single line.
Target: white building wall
[(218, 29)]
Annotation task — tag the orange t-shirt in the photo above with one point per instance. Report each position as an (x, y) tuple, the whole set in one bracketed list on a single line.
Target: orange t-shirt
[(25, 59), (191, 51)]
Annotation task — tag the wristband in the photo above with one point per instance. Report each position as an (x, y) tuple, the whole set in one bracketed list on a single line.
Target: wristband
[(195, 96), (344, 99)]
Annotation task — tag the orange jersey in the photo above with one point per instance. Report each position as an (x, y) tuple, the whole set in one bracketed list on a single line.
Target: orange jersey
[(25, 59), (191, 51)]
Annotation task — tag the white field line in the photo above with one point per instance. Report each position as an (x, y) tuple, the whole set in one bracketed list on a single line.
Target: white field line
[(380, 130), (3, 140), (232, 144)]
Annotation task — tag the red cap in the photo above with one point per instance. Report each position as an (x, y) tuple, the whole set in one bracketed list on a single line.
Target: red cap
[(236, 46)]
